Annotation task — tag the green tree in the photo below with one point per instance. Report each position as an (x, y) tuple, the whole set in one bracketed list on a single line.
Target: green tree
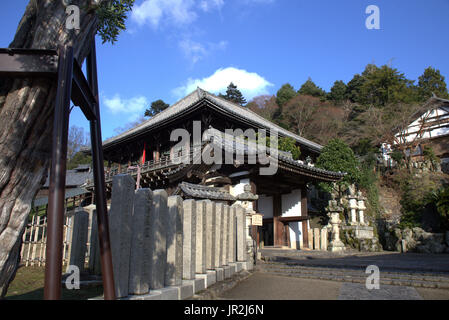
[(289, 145), (385, 85), (337, 156), (354, 88), (234, 95), (77, 159), (156, 107), (338, 92), (432, 82), (285, 94), (26, 106), (309, 88), (442, 204)]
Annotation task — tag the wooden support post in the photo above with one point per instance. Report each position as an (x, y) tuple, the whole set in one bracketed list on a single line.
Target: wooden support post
[(99, 180), (278, 226), (304, 213), (53, 267)]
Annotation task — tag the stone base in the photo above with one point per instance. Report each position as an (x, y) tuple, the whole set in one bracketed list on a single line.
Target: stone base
[(209, 278), (361, 231), (153, 295), (337, 247), (185, 290), (220, 274), (169, 293), (244, 265), (198, 284), (233, 268), (239, 266), (227, 272)]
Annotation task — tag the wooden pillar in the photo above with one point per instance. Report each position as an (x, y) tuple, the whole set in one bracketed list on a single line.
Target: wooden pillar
[(157, 153), (304, 213), (254, 229), (278, 226), (254, 191)]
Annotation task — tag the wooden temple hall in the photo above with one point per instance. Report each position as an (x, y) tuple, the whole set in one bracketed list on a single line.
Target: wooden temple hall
[(147, 153)]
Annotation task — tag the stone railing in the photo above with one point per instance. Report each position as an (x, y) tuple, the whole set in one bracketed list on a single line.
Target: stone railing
[(168, 248)]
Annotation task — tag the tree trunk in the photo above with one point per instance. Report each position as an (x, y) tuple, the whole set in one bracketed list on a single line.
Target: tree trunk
[(26, 126)]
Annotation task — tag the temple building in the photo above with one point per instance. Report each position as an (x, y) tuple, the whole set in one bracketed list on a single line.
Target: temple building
[(155, 161), (429, 128)]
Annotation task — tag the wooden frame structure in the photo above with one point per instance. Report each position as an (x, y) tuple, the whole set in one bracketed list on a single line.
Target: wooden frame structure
[(73, 86)]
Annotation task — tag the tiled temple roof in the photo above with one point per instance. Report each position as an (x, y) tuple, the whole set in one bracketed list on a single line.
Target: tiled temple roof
[(203, 192), (228, 107), (230, 144), (75, 177)]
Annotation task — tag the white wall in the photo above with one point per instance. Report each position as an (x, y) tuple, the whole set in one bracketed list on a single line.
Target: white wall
[(296, 236), (265, 206), (291, 204), (433, 130), (238, 188)]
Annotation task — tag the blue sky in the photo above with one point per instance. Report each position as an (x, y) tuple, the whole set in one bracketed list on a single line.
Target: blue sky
[(171, 46)]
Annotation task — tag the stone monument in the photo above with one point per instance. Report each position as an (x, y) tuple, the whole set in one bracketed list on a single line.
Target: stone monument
[(334, 211)]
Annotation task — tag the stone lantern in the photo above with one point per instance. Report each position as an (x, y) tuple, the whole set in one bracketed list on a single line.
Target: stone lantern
[(334, 211), (246, 200), (361, 208), (353, 206)]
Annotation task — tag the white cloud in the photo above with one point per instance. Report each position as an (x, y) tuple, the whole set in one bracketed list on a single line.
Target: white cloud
[(133, 107), (258, 1), (177, 12), (249, 83), (196, 51), (209, 5)]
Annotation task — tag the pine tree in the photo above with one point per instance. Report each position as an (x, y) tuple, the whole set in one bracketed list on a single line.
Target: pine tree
[(285, 94), (156, 107), (234, 95), (309, 88), (338, 92), (432, 82)]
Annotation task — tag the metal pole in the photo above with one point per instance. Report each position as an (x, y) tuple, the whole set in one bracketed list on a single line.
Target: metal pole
[(100, 185), (53, 265)]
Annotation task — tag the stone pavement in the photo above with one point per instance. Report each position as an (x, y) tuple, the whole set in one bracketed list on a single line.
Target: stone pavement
[(386, 261), (262, 286), (357, 291), (320, 275)]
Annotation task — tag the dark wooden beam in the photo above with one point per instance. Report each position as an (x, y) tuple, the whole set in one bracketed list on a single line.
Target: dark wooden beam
[(28, 63), (278, 226), (294, 219), (82, 95), (304, 213)]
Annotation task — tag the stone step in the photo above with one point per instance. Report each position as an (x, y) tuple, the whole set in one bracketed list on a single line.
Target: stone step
[(349, 275), (308, 263), (338, 270)]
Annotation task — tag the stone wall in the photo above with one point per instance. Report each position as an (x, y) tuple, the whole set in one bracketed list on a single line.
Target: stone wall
[(166, 248), (416, 240)]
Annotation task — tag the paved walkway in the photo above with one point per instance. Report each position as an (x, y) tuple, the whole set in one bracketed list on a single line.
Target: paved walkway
[(412, 262), (290, 277), (262, 286)]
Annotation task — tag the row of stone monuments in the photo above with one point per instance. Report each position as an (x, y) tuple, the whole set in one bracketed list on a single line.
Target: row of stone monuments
[(355, 226), (166, 247)]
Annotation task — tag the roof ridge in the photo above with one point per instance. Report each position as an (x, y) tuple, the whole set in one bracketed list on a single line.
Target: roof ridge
[(280, 129)]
